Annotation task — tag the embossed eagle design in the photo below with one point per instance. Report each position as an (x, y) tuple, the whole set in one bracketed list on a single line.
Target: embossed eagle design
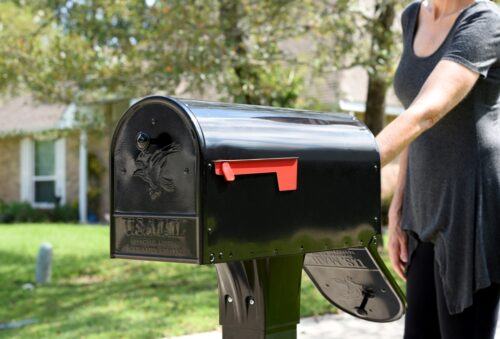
[(151, 168)]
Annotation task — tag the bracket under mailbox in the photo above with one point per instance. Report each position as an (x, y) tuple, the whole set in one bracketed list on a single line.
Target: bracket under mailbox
[(260, 298)]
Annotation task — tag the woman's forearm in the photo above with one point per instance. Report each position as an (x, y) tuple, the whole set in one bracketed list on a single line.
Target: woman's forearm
[(400, 133), (445, 87), (397, 199)]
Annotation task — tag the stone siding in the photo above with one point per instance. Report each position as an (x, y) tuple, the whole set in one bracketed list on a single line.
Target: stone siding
[(10, 165)]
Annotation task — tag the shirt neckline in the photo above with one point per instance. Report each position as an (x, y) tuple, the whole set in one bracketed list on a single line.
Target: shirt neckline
[(452, 28)]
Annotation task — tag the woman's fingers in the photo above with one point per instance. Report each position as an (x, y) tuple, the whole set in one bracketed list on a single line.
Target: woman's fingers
[(398, 253), (402, 270), (394, 256), (399, 267), (403, 247)]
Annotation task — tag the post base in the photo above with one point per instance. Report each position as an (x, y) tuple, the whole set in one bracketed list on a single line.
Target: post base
[(260, 298)]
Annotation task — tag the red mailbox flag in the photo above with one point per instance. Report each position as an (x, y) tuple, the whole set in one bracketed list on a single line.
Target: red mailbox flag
[(285, 169)]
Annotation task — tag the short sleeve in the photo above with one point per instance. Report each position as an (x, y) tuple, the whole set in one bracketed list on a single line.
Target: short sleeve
[(475, 43), (410, 11)]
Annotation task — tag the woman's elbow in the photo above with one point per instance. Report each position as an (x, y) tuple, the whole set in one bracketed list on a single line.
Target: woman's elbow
[(427, 117)]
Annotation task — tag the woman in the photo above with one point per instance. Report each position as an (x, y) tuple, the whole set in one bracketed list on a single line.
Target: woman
[(444, 220)]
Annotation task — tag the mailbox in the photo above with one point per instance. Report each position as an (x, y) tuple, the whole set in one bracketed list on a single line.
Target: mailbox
[(260, 192)]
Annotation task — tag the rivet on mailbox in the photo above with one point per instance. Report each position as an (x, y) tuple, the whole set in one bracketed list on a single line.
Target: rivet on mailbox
[(288, 189)]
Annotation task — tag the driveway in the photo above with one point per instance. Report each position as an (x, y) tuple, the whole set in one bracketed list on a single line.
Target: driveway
[(335, 326)]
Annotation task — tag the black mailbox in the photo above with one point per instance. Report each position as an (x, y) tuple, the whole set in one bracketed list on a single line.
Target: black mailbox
[(254, 190)]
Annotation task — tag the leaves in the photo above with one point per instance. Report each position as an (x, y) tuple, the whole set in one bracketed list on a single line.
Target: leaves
[(87, 50)]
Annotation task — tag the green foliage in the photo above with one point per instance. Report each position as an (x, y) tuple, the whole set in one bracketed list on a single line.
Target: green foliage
[(270, 86), (357, 33), (16, 26), (88, 50), (96, 50), (92, 296), (64, 213), (361, 33), (18, 212), (94, 190), (23, 212)]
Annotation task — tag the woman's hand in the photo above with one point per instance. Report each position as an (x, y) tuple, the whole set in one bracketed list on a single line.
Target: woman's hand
[(398, 244), (398, 239)]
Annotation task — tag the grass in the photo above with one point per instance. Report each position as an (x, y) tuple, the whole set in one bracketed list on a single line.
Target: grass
[(94, 297)]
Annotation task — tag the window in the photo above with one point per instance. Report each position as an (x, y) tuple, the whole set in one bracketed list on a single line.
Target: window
[(42, 172), (45, 170)]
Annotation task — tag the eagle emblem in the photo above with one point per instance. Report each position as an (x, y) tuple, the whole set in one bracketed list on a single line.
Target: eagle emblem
[(151, 168)]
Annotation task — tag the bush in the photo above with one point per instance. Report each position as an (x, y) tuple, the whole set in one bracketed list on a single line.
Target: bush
[(65, 213), (16, 212)]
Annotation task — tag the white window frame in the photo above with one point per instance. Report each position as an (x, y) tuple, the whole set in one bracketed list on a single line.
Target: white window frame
[(28, 177)]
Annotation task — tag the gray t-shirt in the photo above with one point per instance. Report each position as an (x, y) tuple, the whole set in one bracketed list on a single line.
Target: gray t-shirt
[(452, 193)]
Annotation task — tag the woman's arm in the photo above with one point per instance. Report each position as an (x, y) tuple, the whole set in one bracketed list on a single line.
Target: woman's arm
[(397, 245), (446, 86), (397, 199)]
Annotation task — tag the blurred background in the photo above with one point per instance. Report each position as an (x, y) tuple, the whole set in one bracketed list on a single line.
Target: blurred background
[(70, 68)]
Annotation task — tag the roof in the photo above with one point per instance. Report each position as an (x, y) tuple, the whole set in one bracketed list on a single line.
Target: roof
[(23, 115)]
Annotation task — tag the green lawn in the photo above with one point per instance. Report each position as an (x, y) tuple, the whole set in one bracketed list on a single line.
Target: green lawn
[(96, 297)]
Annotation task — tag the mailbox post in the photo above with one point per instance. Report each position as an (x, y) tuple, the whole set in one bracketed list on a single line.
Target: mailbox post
[(260, 193), (260, 298)]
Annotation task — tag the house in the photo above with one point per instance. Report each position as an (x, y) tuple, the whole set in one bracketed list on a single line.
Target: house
[(58, 154)]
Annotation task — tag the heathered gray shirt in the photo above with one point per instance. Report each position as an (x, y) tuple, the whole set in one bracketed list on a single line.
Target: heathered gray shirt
[(452, 193)]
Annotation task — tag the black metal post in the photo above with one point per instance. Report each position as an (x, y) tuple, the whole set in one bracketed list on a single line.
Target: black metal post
[(260, 298)]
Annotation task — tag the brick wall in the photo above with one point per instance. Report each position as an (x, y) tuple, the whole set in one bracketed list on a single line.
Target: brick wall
[(10, 189)]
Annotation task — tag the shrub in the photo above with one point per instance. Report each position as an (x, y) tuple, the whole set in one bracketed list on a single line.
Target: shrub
[(15, 212), (65, 213)]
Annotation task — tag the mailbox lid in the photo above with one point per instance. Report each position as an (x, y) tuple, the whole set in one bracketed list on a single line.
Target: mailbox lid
[(154, 161), (337, 200)]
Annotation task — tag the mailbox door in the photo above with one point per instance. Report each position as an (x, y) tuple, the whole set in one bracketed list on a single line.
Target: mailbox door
[(154, 183), (357, 281)]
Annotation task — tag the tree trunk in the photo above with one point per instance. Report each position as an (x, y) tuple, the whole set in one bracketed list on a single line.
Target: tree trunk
[(379, 69), (230, 14), (375, 103)]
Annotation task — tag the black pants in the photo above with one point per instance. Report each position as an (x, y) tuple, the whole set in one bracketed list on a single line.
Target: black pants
[(427, 315)]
